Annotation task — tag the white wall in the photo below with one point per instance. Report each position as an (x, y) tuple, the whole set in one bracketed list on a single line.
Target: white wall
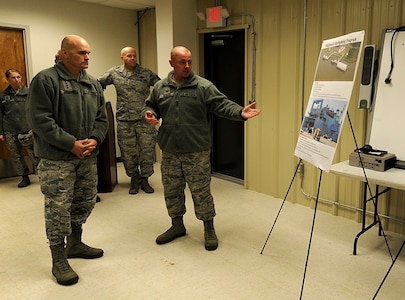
[(185, 25), (176, 24), (164, 35), (106, 29)]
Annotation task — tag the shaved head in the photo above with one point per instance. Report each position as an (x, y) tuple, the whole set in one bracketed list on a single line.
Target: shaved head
[(181, 61), (75, 52), (129, 58), (179, 50)]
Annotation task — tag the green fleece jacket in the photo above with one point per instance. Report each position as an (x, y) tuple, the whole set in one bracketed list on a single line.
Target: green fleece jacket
[(12, 110), (61, 109), (186, 112)]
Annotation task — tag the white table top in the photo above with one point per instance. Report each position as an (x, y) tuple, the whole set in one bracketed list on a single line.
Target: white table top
[(394, 178)]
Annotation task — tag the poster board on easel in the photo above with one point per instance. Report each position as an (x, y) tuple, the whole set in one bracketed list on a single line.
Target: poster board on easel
[(387, 123), (329, 100)]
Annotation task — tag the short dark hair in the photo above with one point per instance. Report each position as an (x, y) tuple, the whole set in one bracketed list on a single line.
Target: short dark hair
[(9, 71)]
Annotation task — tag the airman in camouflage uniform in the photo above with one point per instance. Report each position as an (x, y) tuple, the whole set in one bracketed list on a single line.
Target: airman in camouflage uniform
[(66, 110), (13, 122), (136, 139), (185, 102)]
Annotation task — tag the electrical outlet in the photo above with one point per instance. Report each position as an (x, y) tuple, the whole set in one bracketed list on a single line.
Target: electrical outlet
[(301, 169)]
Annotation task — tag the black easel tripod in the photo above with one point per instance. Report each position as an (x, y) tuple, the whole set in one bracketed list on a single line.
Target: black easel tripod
[(312, 227)]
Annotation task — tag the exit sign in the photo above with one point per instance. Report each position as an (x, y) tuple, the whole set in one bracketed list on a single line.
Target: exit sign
[(214, 17)]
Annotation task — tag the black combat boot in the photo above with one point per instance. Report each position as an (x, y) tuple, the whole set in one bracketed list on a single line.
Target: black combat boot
[(145, 186), (211, 240), (177, 230), (61, 269), (24, 182), (134, 185), (75, 248)]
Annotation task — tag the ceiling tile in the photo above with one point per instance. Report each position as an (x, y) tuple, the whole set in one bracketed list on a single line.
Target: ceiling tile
[(125, 4)]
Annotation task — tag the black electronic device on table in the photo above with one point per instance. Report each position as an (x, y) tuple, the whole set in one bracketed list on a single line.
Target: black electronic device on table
[(368, 149)]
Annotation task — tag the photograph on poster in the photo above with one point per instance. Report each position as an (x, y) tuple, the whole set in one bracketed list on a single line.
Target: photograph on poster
[(323, 120), (338, 63)]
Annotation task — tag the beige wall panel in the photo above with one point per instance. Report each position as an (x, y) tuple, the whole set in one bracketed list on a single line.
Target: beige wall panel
[(396, 210), (147, 56), (290, 99), (268, 95)]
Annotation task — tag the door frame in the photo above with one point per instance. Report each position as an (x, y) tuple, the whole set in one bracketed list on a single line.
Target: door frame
[(200, 70), (27, 45)]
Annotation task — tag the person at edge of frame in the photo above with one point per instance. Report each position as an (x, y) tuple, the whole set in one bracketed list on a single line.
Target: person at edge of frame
[(14, 129)]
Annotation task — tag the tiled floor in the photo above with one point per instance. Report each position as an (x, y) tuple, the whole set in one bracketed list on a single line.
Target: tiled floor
[(134, 267)]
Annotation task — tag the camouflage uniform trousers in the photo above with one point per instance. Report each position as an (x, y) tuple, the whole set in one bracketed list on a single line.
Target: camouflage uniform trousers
[(17, 153), (70, 190), (137, 141), (195, 170)]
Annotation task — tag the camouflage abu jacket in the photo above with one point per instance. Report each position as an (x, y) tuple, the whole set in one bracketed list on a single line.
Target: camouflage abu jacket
[(132, 90)]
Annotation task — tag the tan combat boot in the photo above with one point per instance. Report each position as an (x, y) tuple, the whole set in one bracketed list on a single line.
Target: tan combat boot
[(176, 230), (61, 269)]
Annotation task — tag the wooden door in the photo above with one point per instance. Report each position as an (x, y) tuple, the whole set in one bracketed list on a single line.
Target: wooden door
[(12, 55)]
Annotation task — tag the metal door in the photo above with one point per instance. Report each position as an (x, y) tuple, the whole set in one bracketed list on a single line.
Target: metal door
[(224, 65)]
